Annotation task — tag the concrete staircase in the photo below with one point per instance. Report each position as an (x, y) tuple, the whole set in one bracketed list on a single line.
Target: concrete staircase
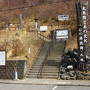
[(47, 64)]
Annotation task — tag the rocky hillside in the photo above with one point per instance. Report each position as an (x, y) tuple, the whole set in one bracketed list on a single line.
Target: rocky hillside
[(41, 7)]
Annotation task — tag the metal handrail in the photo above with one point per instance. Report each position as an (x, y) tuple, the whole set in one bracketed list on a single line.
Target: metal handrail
[(44, 37), (38, 76), (34, 61)]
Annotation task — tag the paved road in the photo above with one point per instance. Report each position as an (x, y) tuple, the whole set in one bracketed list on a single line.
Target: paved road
[(40, 87)]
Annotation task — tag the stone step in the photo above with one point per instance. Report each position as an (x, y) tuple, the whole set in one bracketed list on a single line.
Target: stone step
[(49, 77), (36, 64), (44, 71), (44, 66), (43, 76), (51, 73), (50, 69), (31, 76)]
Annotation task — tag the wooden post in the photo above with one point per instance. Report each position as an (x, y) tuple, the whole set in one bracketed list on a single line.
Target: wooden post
[(20, 22)]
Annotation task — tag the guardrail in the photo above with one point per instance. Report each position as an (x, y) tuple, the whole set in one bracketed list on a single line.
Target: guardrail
[(42, 37)]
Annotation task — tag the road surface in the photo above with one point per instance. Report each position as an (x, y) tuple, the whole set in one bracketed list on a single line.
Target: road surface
[(40, 87)]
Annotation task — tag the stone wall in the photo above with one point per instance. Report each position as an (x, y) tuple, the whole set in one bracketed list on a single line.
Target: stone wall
[(8, 71)]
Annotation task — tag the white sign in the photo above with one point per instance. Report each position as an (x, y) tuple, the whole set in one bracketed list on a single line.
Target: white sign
[(84, 26), (84, 8), (36, 25), (43, 28), (61, 34), (84, 12), (2, 57), (29, 50), (84, 17), (63, 17)]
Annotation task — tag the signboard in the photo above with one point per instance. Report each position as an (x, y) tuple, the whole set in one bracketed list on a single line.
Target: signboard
[(83, 8), (63, 17), (84, 17), (61, 34), (84, 13), (43, 28), (82, 33), (2, 57), (81, 44)]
